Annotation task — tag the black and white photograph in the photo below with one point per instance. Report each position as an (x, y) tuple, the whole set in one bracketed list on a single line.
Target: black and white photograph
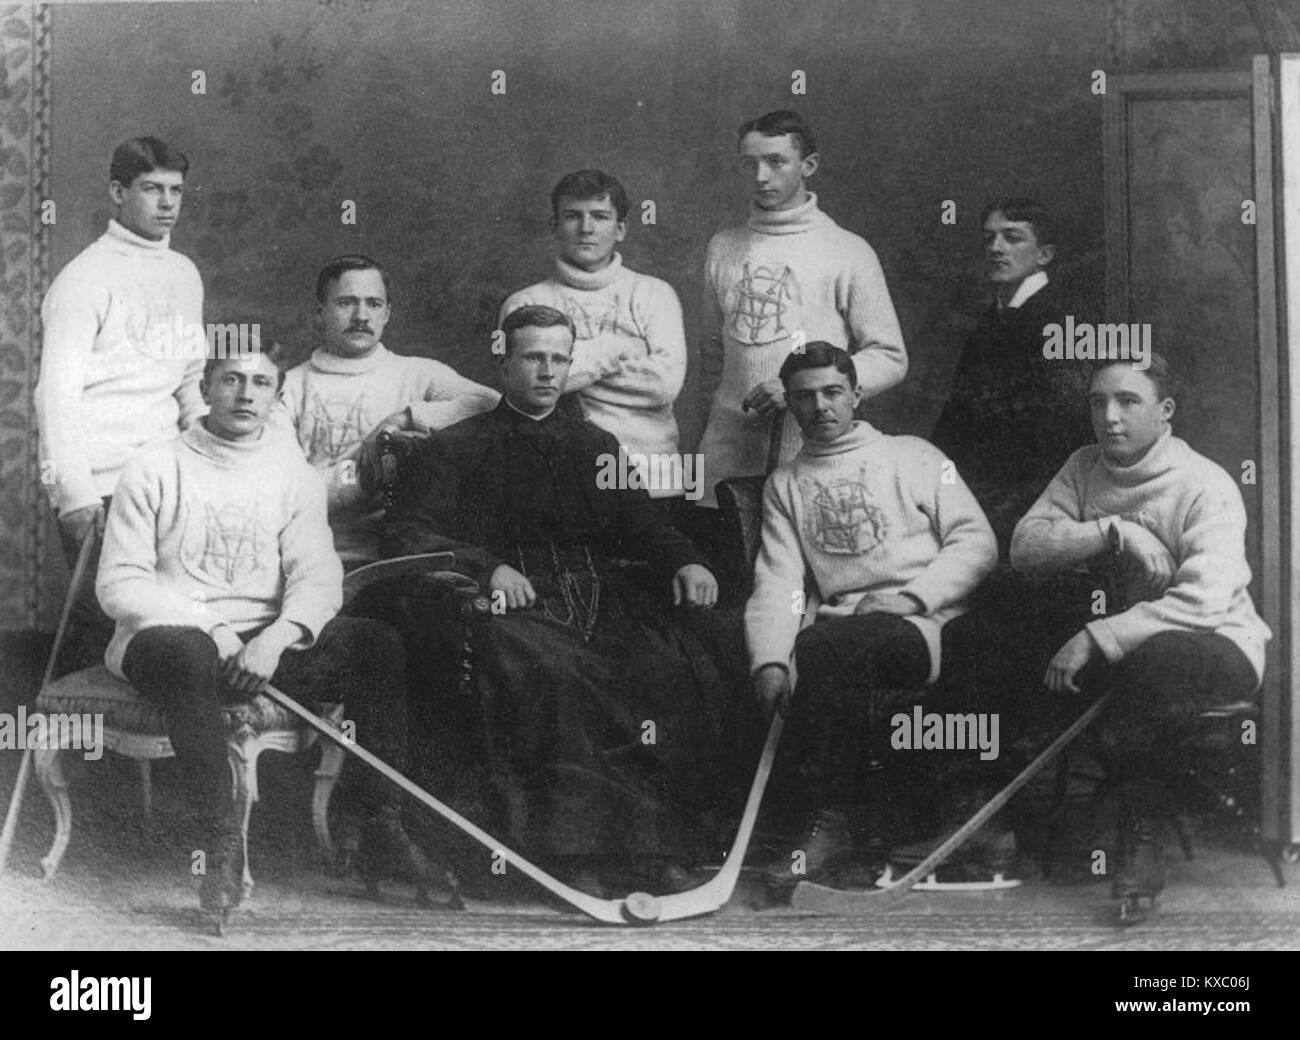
[(568, 475)]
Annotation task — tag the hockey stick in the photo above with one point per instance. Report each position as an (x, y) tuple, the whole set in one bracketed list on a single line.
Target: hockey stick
[(716, 892), (820, 898), (25, 768), (607, 911)]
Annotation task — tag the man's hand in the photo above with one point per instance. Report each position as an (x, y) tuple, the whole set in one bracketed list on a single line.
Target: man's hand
[(1147, 554), (695, 585), (887, 603), (74, 525), (767, 398), (399, 424), (772, 690), (1067, 663), (257, 660), (518, 590), (228, 642)]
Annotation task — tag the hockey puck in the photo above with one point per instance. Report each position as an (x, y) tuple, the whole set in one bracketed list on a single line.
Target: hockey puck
[(642, 908)]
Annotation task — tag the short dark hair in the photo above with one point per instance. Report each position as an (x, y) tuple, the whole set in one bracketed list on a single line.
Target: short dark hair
[(1024, 210), (1159, 372), (340, 265), (819, 354), (589, 184), (144, 155), (274, 353), (778, 124), (537, 316)]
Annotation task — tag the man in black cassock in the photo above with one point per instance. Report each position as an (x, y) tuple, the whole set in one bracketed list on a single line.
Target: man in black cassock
[(600, 698)]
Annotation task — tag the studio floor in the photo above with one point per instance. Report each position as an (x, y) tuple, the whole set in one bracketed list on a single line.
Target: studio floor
[(126, 886)]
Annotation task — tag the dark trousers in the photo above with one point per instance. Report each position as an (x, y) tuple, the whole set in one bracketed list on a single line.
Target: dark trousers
[(1158, 691), (850, 670), (89, 628), (356, 661)]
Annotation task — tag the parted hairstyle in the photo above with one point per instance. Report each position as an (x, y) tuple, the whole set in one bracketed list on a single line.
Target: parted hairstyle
[(1159, 372), (340, 265), (144, 155), (1025, 210), (539, 316), (819, 354), (778, 124), (589, 184)]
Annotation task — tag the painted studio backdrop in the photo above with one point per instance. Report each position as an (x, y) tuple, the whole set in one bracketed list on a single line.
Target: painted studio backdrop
[(310, 104)]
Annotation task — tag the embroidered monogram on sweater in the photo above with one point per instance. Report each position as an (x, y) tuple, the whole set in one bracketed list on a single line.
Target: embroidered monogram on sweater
[(762, 302), (332, 426), (840, 516), (223, 545)]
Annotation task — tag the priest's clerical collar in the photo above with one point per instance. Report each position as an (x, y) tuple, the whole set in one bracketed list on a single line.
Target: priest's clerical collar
[(527, 415)]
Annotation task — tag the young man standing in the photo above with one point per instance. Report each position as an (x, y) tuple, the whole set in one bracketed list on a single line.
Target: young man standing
[(894, 543), (1164, 527), (788, 277), (1013, 417), (629, 360), (353, 388), (220, 572), (106, 388)]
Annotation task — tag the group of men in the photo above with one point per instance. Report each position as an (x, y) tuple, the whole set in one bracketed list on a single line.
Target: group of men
[(608, 713)]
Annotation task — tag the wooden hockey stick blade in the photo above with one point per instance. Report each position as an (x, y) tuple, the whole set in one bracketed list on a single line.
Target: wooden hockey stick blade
[(25, 767), (715, 893), (357, 581), (822, 899), (607, 911)]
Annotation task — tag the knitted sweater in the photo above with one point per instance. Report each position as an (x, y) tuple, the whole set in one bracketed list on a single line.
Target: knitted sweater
[(334, 402), (868, 513), (629, 360), (106, 388), (205, 531), (787, 272), (1193, 506)]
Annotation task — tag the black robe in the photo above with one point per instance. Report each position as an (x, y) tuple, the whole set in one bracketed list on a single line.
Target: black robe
[(600, 704)]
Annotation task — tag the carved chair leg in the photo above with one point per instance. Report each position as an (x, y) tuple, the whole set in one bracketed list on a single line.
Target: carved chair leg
[(327, 776), (49, 770), (243, 752)]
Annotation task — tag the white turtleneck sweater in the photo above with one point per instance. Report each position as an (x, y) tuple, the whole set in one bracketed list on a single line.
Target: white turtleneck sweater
[(333, 403), (785, 272), (629, 359), (1187, 501), (867, 513), (107, 387), (205, 531)]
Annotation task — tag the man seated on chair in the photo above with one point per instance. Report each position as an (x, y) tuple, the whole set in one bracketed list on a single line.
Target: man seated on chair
[(1164, 528), (353, 388), (597, 696), (894, 543), (220, 572)]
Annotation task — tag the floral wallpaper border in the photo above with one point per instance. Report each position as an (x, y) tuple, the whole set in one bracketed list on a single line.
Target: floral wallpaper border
[(24, 275)]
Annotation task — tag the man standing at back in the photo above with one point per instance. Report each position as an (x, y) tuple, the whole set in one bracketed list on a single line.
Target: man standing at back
[(788, 277), (114, 377), (629, 360)]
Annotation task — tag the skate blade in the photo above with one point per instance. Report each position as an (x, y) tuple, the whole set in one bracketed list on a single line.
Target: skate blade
[(216, 921), (931, 883), (1133, 912)]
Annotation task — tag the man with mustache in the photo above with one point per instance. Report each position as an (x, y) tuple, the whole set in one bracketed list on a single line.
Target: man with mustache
[(353, 388)]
